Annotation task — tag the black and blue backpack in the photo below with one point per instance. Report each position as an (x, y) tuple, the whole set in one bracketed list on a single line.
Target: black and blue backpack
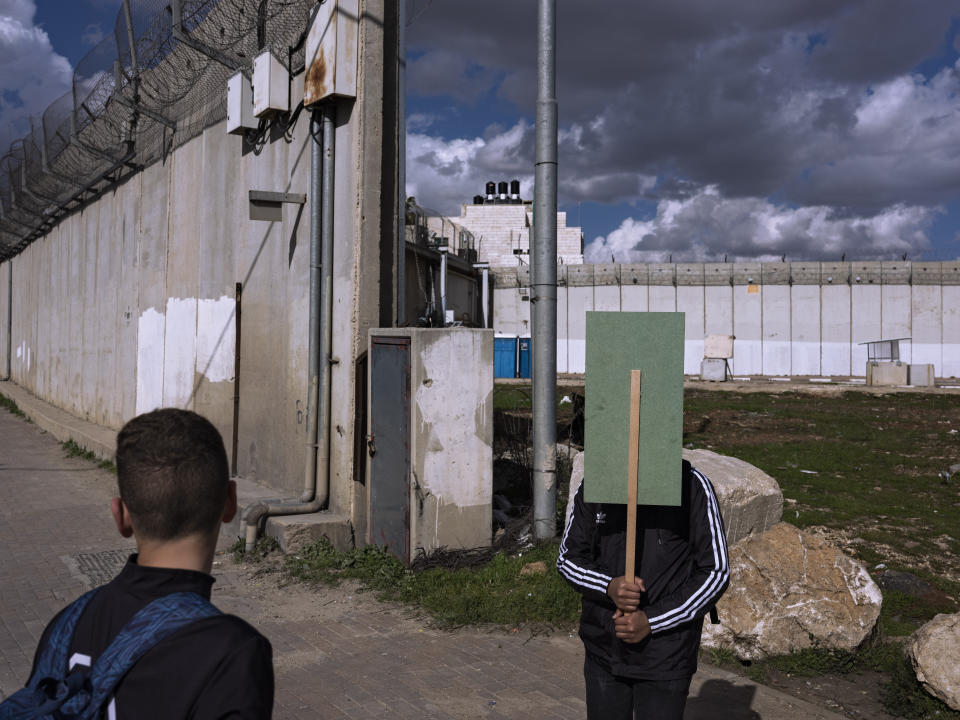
[(54, 693)]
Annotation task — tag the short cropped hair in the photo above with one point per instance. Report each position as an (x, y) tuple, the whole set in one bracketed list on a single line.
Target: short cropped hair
[(173, 474)]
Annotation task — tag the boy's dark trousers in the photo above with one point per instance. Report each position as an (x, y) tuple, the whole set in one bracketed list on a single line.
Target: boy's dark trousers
[(616, 698)]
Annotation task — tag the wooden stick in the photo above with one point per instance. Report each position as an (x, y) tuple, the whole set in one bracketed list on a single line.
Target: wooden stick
[(633, 463)]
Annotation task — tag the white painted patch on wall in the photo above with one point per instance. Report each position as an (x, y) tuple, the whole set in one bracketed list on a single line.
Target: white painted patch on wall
[(150, 333), (191, 337), (216, 338), (455, 455), (179, 352)]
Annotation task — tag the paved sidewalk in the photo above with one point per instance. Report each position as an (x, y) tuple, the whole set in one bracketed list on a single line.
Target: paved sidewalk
[(337, 653)]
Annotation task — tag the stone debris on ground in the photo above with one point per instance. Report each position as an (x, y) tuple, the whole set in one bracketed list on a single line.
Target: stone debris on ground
[(789, 591), (935, 652)]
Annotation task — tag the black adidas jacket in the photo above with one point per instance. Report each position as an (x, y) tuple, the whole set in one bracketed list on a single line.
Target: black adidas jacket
[(218, 667), (682, 558)]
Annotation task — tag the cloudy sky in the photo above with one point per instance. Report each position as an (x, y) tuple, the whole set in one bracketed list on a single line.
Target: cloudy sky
[(691, 129), (700, 129)]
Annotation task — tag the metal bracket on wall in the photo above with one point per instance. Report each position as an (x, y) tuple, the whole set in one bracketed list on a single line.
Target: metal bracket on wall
[(266, 205)]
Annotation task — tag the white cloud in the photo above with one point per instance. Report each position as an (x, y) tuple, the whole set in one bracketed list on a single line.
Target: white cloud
[(442, 174), (708, 227), (32, 75)]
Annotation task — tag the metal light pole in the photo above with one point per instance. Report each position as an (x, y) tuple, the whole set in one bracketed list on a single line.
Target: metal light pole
[(544, 290)]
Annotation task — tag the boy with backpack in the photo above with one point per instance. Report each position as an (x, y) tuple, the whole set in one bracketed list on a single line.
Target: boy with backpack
[(149, 644)]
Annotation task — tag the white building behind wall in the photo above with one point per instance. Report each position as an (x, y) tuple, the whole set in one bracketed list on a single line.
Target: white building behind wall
[(500, 223), (789, 319)]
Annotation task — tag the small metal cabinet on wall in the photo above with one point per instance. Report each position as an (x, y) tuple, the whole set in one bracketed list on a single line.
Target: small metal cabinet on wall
[(429, 439)]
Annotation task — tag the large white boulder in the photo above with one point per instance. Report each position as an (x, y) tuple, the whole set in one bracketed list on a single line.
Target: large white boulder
[(935, 652), (750, 500), (790, 590)]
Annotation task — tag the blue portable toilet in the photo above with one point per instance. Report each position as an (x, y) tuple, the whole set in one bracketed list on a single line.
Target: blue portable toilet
[(505, 357), (524, 357)]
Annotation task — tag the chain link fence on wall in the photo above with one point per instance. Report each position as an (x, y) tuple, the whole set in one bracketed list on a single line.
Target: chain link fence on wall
[(144, 90)]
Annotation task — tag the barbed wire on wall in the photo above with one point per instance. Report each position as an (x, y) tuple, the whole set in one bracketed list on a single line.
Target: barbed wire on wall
[(141, 92)]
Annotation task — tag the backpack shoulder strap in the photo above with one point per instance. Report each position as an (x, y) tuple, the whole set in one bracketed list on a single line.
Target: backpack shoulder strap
[(161, 618), (52, 658)]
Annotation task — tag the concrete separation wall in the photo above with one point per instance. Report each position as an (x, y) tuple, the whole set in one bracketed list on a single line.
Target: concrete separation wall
[(148, 296), (801, 318)]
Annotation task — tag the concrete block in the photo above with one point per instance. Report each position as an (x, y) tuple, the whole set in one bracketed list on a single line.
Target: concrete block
[(834, 273), (634, 274), (689, 273), (950, 273), (776, 273), (750, 500), (926, 273), (713, 369), (886, 373), (805, 273), (605, 274), (746, 273), (580, 276), (663, 274), (920, 374), (717, 273), (293, 532), (523, 276), (895, 273), (865, 273)]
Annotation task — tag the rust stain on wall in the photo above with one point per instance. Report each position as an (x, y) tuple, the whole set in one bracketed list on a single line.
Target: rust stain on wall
[(316, 82)]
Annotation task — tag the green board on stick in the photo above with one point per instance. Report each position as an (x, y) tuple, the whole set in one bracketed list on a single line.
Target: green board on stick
[(617, 343)]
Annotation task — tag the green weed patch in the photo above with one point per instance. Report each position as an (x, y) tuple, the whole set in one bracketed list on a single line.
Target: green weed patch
[(73, 450), (11, 406), (494, 593)]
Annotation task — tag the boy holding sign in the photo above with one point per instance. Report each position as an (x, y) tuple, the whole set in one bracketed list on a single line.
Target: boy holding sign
[(648, 574)]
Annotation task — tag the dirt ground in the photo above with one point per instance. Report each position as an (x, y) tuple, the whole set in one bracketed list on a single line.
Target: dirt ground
[(855, 695)]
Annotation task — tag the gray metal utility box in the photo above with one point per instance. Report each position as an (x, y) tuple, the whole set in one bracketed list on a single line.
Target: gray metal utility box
[(429, 439)]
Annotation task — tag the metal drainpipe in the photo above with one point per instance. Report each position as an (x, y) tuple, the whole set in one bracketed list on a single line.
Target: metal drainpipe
[(401, 320), (443, 287), (9, 366), (544, 258), (316, 483)]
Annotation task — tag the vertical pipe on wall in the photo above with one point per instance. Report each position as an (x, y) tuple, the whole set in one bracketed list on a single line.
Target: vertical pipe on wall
[(544, 282), (313, 339), (9, 355), (401, 163), (326, 299), (236, 380), (443, 286), (317, 473)]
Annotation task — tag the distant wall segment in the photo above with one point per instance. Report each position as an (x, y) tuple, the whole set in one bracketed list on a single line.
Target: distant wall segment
[(799, 319)]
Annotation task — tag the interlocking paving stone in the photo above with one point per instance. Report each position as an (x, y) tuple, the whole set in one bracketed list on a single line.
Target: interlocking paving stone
[(337, 653)]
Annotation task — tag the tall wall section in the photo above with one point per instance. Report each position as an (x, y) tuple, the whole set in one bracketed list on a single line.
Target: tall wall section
[(801, 318), (132, 303)]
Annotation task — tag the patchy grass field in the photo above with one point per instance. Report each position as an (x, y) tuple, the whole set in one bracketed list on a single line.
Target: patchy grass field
[(864, 467)]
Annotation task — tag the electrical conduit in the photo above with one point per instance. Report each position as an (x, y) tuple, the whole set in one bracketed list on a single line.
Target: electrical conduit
[(316, 479)]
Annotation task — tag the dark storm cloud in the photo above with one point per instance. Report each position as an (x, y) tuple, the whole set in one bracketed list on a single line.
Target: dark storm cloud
[(754, 98)]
